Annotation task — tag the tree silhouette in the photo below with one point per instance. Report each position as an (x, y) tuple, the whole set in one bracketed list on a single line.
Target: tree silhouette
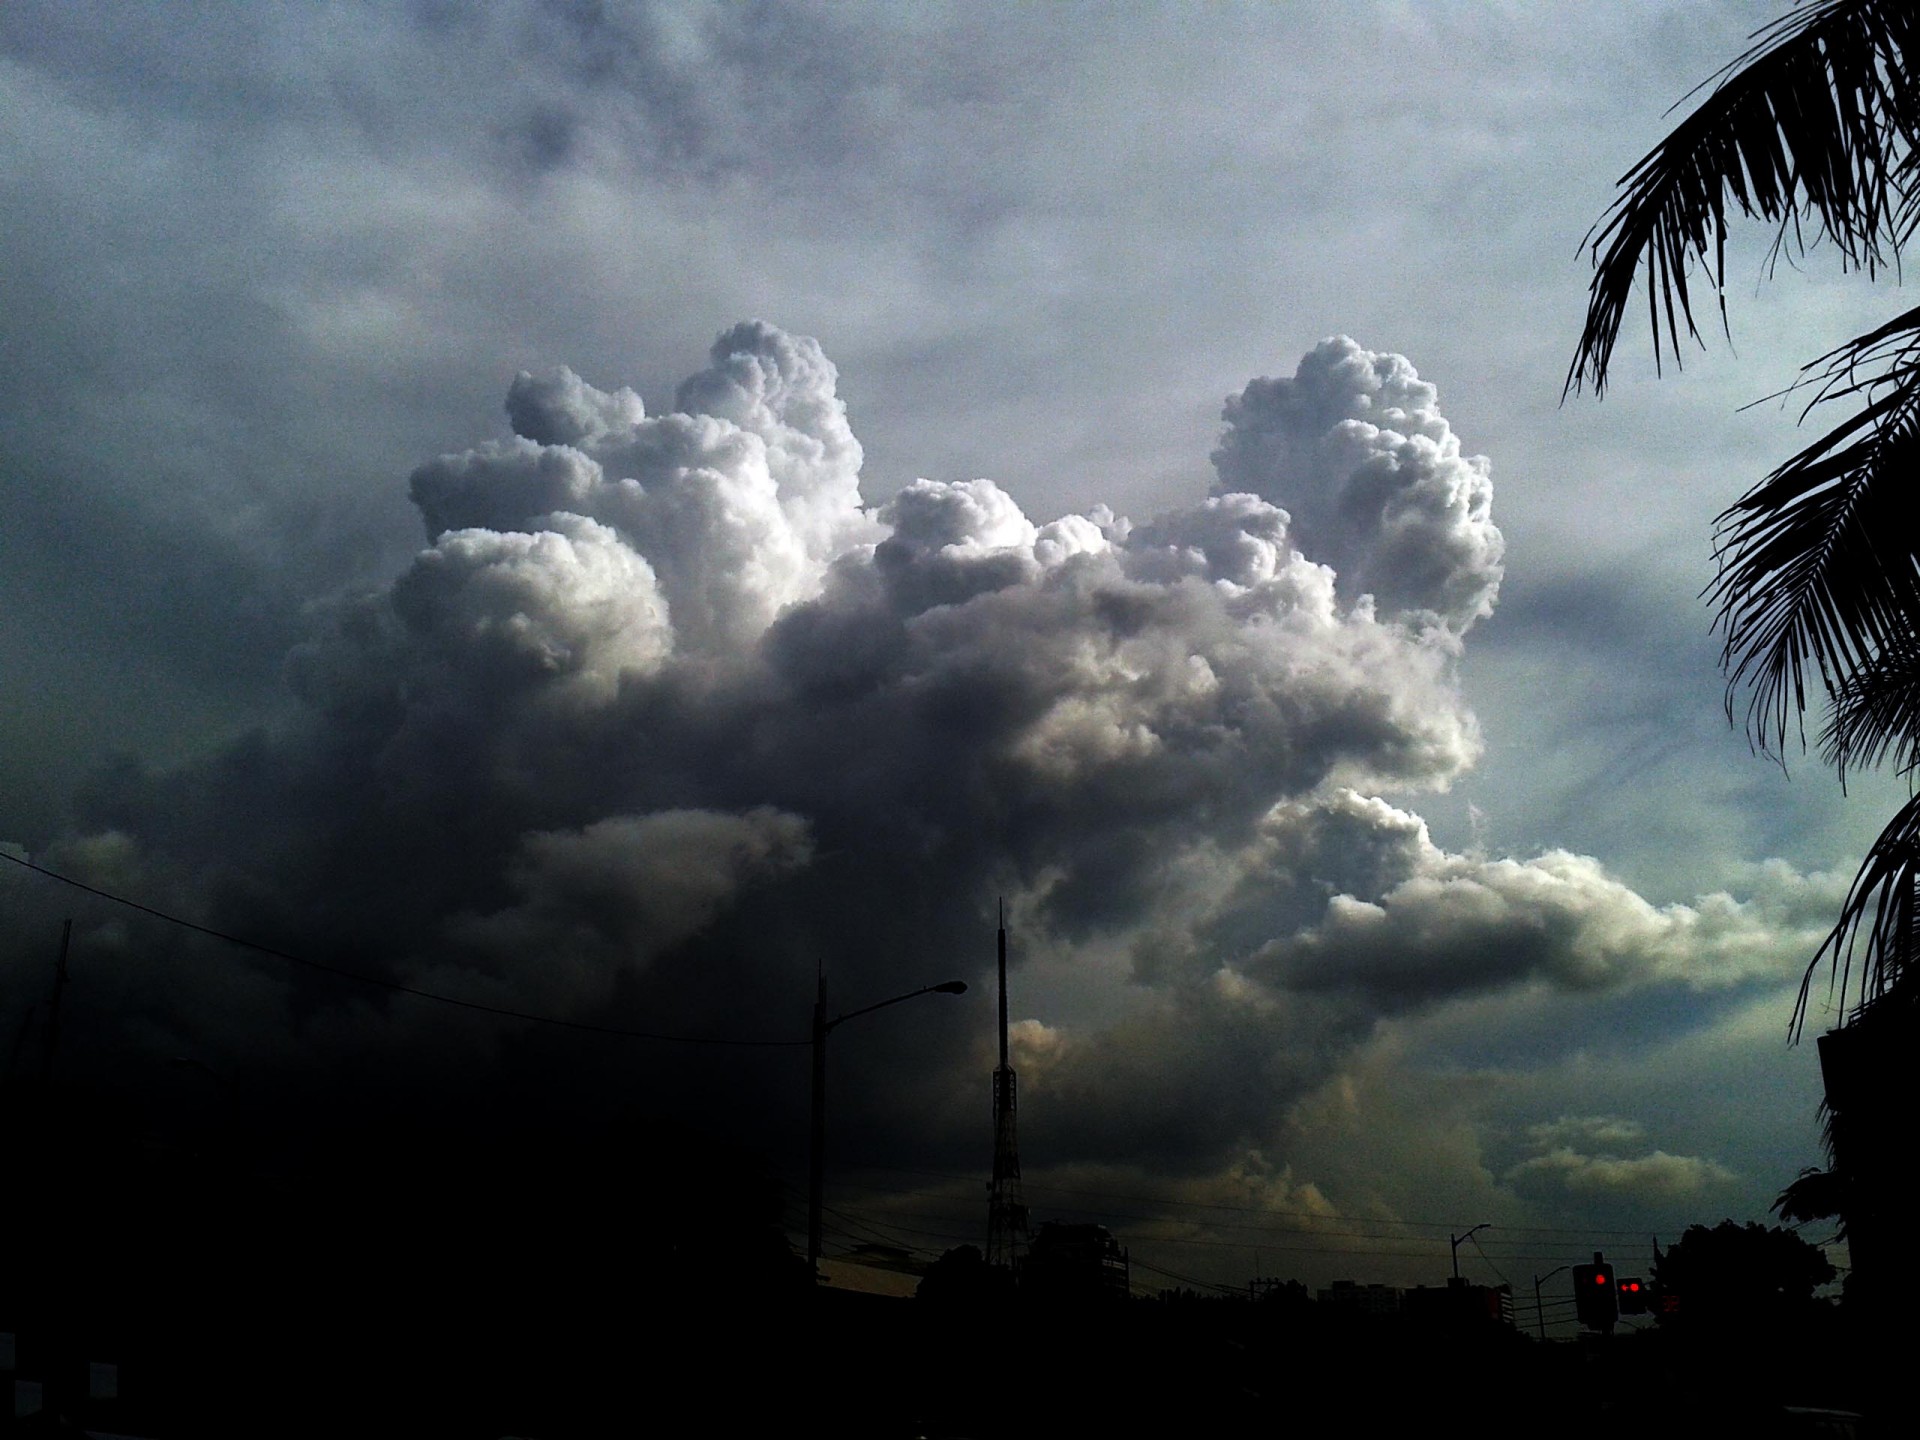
[(1743, 1277), (962, 1278)]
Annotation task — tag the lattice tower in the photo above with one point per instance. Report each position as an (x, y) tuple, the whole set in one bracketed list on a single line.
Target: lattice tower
[(1006, 1206)]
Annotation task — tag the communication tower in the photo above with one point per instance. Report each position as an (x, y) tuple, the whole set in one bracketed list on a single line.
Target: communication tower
[(1006, 1207)]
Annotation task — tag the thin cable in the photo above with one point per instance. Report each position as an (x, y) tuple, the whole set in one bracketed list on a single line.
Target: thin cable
[(1322, 1249), (1377, 1231), (245, 944), (887, 1234), (1489, 1259), (1183, 1279), (1246, 1209), (1136, 1238)]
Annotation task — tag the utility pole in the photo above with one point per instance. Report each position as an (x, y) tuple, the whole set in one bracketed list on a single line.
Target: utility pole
[(60, 1396), (1539, 1306), (817, 1144), (53, 1008)]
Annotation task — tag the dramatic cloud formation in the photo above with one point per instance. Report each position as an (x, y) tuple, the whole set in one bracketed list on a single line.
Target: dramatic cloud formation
[(1374, 480), (619, 613), (1347, 836), (1656, 1175), (666, 714)]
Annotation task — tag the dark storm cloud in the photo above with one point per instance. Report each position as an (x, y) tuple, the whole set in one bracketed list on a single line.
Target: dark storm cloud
[(265, 261), (631, 631), (1425, 924), (665, 714)]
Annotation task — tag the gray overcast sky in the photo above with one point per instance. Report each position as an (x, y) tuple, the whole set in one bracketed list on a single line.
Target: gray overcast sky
[(261, 261)]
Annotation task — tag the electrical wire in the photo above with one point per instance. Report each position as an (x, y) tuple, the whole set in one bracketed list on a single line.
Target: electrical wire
[(1196, 1241), (394, 985), (1489, 1259), (1449, 1225), (937, 1213), (1133, 1264), (877, 1228)]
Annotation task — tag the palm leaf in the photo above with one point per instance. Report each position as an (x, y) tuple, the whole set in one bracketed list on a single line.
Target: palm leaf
[(1815, 129), (1877, 925), (1815, 1195), (1815, 125), (1817, 560), (1876, 712)]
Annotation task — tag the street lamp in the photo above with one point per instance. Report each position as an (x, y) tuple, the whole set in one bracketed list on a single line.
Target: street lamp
[(1456, 1239), (822, 1027), (1539, 1308)]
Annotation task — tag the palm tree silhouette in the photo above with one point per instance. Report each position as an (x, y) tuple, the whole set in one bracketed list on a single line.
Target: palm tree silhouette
[(1813, 130)]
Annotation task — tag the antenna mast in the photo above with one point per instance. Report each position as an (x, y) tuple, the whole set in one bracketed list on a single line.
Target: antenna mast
[(1006, 1207)]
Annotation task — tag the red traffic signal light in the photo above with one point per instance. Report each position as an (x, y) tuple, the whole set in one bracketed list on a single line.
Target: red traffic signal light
[(1635, 1296), (1595, 1299)]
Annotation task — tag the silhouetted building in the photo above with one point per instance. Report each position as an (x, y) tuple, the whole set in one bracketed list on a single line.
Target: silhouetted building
[(1270, 1291), (1075, 1262), (1351, 1299), (1458, 1303), (1866, 1067)]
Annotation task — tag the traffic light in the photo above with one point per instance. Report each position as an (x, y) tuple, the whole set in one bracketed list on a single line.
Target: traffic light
[(1635, 1296), (1596, 1299)]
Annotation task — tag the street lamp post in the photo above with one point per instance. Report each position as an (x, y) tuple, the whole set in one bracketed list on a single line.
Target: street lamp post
[(1539, 1308), (817, 1156), (1457, 1239)]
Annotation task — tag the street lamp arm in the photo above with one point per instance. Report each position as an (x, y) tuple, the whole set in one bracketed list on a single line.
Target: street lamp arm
[(949, 987), (816, 1165), (1455, 1241)]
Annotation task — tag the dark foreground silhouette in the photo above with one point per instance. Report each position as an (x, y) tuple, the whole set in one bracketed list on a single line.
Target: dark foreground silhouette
[(402, 1282)]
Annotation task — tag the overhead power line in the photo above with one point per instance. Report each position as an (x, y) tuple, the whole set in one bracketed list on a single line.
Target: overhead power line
[(1581, 1235), (396, 986), (890, 1219), (1192, 1280), (1489, 1259), (1377, 1231)]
